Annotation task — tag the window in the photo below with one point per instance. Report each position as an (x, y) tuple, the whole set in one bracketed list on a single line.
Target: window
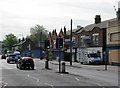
[(82, 42), (115, 36), (95, 39), (73, 40)]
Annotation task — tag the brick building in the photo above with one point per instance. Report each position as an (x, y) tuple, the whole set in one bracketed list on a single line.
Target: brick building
[(93, 37)]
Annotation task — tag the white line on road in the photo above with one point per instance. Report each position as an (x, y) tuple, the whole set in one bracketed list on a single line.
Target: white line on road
[(97, 84), (33, 78), (61, 74), (49, 85), (100, 85), (77, 79), (38, 80), (4, 84), (28, 75)]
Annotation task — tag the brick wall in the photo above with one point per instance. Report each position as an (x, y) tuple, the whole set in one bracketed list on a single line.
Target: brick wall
[(101, 37)]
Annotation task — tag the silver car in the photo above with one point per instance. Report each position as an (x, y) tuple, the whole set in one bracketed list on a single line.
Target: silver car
[(13, 58)]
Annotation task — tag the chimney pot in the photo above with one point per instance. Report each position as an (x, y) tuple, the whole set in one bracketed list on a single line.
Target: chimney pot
[(64, 30), (97, 19)]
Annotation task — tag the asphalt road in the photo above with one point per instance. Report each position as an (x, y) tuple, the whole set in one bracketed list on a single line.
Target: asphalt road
[(11, 76), (99, 77)]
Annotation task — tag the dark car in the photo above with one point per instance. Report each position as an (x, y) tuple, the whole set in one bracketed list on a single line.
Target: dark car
[(12, 57), (3, 56), (25, 62)]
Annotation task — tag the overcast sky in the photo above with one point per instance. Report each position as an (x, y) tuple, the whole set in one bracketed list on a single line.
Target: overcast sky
[(18, 16)]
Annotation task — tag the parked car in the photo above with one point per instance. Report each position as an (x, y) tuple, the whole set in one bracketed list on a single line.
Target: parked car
[(25, 62), (12, 57), (3, 56)]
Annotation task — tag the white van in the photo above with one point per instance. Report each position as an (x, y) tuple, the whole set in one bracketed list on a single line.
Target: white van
[(90, 57)]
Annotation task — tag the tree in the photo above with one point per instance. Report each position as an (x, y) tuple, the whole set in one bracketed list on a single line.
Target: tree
[(9, 41), (38, 33)]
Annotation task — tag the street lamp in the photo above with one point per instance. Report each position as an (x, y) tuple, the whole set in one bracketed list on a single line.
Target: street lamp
[(71, 45)]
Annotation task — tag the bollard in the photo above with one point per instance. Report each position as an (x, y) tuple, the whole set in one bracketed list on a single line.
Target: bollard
[(46, 64), (63, 67)]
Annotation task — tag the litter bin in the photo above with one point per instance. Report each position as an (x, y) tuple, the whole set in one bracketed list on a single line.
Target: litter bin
[(63, 67)]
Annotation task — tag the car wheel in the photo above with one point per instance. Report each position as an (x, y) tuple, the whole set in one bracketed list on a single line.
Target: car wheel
[(81, 62), (20, 68), (32, 68), (8, 61), (17, 65), (28, 67)]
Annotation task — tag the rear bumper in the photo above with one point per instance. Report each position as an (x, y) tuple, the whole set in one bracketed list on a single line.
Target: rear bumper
[(27, 65), (12, 60), (95, 61)]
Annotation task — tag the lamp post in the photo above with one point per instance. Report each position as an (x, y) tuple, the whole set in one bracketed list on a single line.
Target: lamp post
[(104, 53), (71, 45)]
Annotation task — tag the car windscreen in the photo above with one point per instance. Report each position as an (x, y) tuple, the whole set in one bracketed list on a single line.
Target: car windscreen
[(12, 55), (27, 60), (93, 55)]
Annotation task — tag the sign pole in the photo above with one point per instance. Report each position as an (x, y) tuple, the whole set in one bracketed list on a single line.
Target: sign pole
[(71, 45)]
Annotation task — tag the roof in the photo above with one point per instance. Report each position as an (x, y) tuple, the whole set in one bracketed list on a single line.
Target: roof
[(20, 43), (74, 30), (68, 32), (101, 25)]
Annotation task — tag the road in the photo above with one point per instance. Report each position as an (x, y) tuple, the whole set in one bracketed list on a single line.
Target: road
[(11, 76), (101, 77)]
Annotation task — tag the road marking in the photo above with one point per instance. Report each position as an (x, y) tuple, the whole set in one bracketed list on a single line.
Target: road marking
[(4, 84), (97, 84), (33, 78), (61, 74), (77, 79), (28, 75), (100, 85), (49, 85), (38, 80)]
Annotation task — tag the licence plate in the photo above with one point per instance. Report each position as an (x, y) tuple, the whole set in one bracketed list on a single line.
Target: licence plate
[(27, 63)]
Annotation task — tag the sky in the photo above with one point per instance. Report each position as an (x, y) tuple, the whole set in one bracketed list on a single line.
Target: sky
[(18, 16)]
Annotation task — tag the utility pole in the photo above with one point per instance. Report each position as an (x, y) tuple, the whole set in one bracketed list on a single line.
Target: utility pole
[(71, 45), (59, 55), (40, 44), (47, 46), (105, 60)]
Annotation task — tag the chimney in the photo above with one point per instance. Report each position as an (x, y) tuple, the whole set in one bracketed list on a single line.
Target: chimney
[(118, 12), (97, 19), (19, 40), (64, 30), (23, 39)]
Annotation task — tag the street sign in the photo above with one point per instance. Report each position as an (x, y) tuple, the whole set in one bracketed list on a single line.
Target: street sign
[(50, 55)]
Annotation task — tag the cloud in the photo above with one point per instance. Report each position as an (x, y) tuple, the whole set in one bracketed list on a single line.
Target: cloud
[(18, 16)]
